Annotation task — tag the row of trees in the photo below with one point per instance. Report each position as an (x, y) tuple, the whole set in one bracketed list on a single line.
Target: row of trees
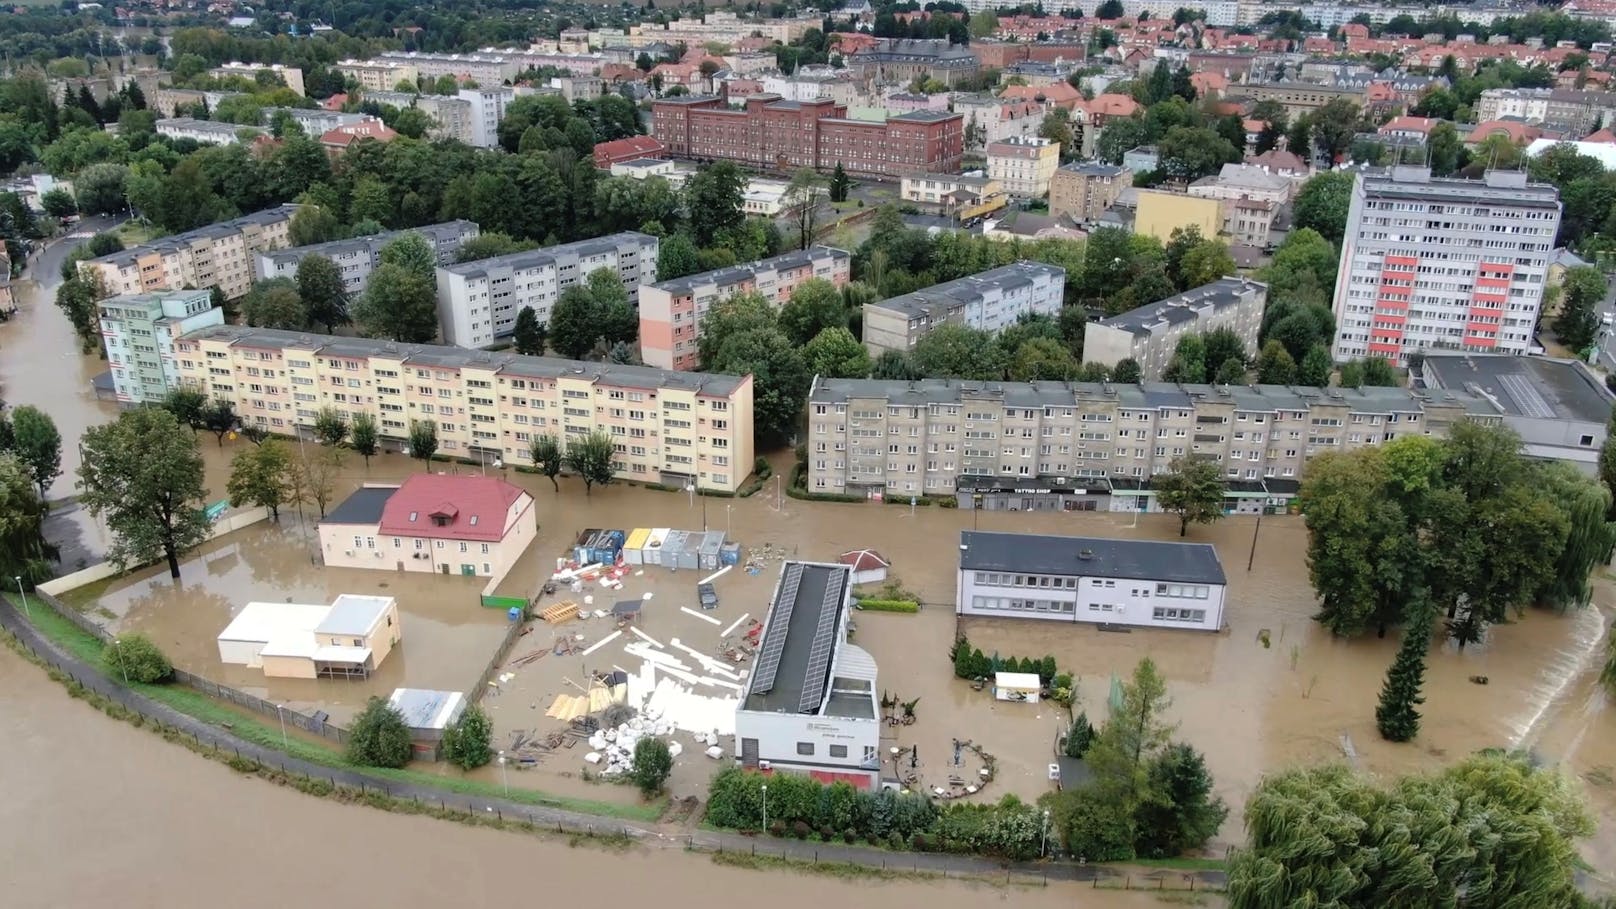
[(26, 469)]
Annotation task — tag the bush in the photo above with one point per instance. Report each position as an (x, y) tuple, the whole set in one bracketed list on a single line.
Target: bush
[(850, 836), (138, 658), (922, 843), (1079, 737), (800, 830), (889, 606), (826, 834), (778, 828), (466, 741), (1095, 828), (379, 737), (652, 764)]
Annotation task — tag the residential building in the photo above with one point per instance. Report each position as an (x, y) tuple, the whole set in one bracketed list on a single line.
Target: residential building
[(810, 83), (339, 139), (451, 116), (671, 312), (218, 254), (810, 705), (357, 258), (1576, 112), (775, 135), (902, 59), (1134, 583), (1024, 165), (1298, 98), (1160, 213), (1149, 335), (464, 524), (483, 69), (316, 122), (1080, 446), (347, 640), (989, 119), (138, 332), (378, 75), (1430, 263), (960, 196), (1086, 190), (1251, 198), (207, 132), (290, 76), (675, 428), (581, 87), (1144, 159), (487, 109), (622, 151), (1560, 408), (478, 301), (989, 301)]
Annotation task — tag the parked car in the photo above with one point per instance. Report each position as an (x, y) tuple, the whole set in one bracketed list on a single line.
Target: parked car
[(707, 595)]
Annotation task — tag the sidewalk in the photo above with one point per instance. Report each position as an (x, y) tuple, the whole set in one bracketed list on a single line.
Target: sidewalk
[(573, 822)]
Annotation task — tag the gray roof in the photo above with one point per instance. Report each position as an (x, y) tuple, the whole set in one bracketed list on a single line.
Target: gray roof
[(457, 357), (822, 587), (178, 241), (1220, 294), (926, 116), (740, 274), (1538, 388), (1417, 185), (206, 126), (940, 298), (1192, 563), (352, 615), (436, 234), (363, 507), (1094, 169), (533, 258)]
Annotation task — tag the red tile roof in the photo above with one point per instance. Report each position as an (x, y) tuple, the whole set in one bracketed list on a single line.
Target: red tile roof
[(864, 560), (469, 508)]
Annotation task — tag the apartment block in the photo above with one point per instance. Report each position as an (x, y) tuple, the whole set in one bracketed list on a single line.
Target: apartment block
[(671, 311), (1149, 335), (451, 116), (219, 254), (478, 301), (1251, 198), (989, 301), (1024, 165), (205, 132), (1081, 446), (484, 69), (357, 258), (1085, 191), (1441, 264), (290, 76), (378, 75), (669, 427), (138, 332), (487, 109)]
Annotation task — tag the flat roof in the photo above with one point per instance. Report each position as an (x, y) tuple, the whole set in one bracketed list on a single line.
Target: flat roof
[(1149, 560), (436, 234), (265, 622), (529, 258), (740, 274), (425, 708), (1220, 294), (1538, 388), (939, 298), (363, 507), (174, 242), (810, 598), (354, 614)]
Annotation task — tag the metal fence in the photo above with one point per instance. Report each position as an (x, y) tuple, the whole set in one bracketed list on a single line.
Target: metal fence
[(512, 632)]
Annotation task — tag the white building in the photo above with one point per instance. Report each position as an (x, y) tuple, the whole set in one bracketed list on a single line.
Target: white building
[(139, 331), (1441, 264), (810, 705), (989, 301), (1139, 583), (478, 301), (765, 198), (348, 639), (451, 116), (1149, 335), (487, 109), (207, 132), (646, 168), (357, 258)]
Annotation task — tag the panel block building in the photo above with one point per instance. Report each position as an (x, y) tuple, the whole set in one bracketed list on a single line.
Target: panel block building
[(989, 301), (219, 254), (357, 258), (138, 331), (1149, 335)]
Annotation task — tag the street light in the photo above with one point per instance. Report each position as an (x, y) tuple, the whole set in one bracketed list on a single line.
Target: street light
[(24, 594), (1043, 847), (504, 780), (765, 806), (118, 643), (728, 509), (281, 713), (691, 488)]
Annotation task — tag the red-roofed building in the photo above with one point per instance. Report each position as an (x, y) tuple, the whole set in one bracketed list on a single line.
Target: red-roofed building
[(336, 141), (441, 523), (1605, 136), (335, 102), (1519, 133), (622, 151), (1418, 128), (1206, 83)]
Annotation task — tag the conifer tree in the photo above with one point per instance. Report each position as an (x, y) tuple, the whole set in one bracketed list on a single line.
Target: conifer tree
[(1397, 717)]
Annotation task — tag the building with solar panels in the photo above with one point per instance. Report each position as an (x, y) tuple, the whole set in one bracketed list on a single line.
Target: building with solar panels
[(810, 704)]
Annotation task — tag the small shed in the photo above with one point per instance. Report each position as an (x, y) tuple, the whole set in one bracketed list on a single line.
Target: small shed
[(869, 566), (428, 713), (730, 554), (1017, 686), (636, 542), (627, 610)]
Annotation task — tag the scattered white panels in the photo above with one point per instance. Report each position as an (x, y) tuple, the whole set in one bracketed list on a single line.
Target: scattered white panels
[(717, 574), (602, 642), (645, 637), (737, 623), (705, 618)]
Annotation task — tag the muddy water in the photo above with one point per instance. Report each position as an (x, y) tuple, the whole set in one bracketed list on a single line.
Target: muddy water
[(156, 814)]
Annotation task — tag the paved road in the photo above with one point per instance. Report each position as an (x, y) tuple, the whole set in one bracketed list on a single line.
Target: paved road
[(652, 835)]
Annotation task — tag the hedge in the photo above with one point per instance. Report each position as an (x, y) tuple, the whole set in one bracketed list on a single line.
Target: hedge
[(889, 605)]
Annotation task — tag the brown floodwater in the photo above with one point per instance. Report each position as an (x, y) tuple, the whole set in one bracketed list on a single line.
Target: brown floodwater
[(101, 813)]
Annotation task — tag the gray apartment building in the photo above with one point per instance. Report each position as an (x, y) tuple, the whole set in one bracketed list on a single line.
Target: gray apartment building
[(451, 115), (1150, 334), (1078, 446), (989, 301), (356, 258)]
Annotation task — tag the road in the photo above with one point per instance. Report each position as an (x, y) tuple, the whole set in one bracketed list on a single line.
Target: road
[(1606, 341)]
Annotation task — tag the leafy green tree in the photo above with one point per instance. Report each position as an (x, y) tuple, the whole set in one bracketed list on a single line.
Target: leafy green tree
[(1231, 372), (145, 477), (815, 305), (1181, 813), (330, 426), (1275, 366), (804, 196), (100, 189), (467, 743), (895, 365), (1322, 205), (1315, 368), (954, 351), (1188, 364), (1397, 716), (324, 296), (1043, 359), (835, 354), (780, 378), (544, 450), (59, 203), (275, 304), (488, 245), (1334, 126), (529, 336), (37, 445), (186, 404), (24, 551), (1120, 756), (423, 441), (574, 323), (591, 459), (219, 417), (379, 736), (261, 476), (714, 198), (1221, 345), (1192, 152), (1206, 262), (653, 763), (1094, 826), (676, 258), (1126, 372), (840, 184), (1591, 536), (363, 436), (77, 298), (1577, 322), (400, 304), (313, 224), (613, 312), (1443, 147), (1191, 488), (136, 658)]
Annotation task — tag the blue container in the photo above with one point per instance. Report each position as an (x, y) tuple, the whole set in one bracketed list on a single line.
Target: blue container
[(514, 614)]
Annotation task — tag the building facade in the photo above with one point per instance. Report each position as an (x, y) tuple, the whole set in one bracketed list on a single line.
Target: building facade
[(1024, 165), (478, 301), (1085, 191), (903, 59), (461, 524), (961, 196), (357, 258), (483, 69), (1560, 408), (990, 301), (669, 427), (205, 132), (487, 109), (775, 135), (1149, 335), (1577, 112), (290, 76), (1138, 583), (671, 312), (378, 75), (138, 332), (1441, 264), (219, 254), (1160, 213), (1085, 446), (1250, 198), (451, 116)]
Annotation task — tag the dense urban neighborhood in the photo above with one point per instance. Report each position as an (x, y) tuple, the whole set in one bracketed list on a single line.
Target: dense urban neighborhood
[(959, 354)]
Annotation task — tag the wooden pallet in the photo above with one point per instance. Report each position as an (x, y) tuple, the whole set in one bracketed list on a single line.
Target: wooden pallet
[(560, 612)]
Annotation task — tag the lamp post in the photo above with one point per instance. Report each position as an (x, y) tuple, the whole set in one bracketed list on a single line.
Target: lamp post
[(765, 807), (691, 488), (959, 593), (728, 510), (280, 712), (118, 643), (1043, 846), (27, 610), (503, 779)]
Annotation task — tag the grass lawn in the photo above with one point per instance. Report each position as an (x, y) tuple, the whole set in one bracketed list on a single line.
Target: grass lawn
[(134, 233), (260, 731)]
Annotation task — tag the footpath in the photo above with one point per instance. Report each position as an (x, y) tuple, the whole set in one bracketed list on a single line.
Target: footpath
[(651, 835)]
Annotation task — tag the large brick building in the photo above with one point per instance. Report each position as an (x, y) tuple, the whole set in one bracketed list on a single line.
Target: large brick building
[(775, 135)]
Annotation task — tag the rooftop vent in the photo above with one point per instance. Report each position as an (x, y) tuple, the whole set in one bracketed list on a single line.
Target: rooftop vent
[(1085, 554)]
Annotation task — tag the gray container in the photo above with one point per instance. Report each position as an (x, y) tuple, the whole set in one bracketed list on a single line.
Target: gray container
[(710, 548), (672, 546), (690, 552)]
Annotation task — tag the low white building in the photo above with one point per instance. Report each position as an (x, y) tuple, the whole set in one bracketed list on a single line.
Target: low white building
[(811, 703), (765, 198), (348, 639), (1139, 583)]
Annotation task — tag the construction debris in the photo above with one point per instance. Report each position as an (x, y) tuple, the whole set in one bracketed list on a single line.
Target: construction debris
[(560, 612)]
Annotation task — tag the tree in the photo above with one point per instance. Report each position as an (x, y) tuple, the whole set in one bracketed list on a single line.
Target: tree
[(1181, 812), (1443, 147), (261, 476), (613, 311), (24, 551), (313, 224), (1397, 716), (1204, 263), (840, 186), (219, 417), (187, 405), (1109, 10), (1126, 372), (714, 198), (467, 743), (677, 258), (1586, 503), (1577, 323), (591, 459), (1058, 128), (895, 365), (363, 437), (544, 450), (528, 338), (1191, 152), (1188, 364), (488, 245), (1322, 205), (1042, 359), (1275, 366), (1222, 345), (324, 296), (59, 203), (100, 189), (653, 763), (37, 446), (400, 303), (423, 441), (136, 658), (574, 323), (410, 251), (1231, 372), (1135, 733), (815, 305), (313, 477), (77, 298), (330, 426), (1315, 368), (275, 304), (1191, 488), (379, 736), (145, 477), (954, 351), (804, 195), (835, 354)]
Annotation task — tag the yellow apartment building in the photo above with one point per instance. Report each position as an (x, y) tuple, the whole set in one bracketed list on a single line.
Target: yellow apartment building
[(219, 254), (1160, 213)]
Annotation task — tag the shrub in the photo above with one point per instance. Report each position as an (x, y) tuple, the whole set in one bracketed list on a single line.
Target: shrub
[(652, 764), (378, 737), (827, 834), (889, 606), (800, 830), (922, 843), (466, 742), (1095, 828), (849, 836), (138, 658), (777, 828)]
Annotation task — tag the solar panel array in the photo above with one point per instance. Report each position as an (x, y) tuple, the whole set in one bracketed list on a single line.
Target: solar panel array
[(813, 684), (1526, 397), (774, 638)]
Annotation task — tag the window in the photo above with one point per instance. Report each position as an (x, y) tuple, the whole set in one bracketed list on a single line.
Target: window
[(838, 751), (805, 748), (1586, 441)]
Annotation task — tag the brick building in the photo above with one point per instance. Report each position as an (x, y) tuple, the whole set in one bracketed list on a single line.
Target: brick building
[(775, 135)]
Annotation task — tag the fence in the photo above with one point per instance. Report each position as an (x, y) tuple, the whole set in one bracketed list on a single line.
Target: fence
[(512, 632)]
